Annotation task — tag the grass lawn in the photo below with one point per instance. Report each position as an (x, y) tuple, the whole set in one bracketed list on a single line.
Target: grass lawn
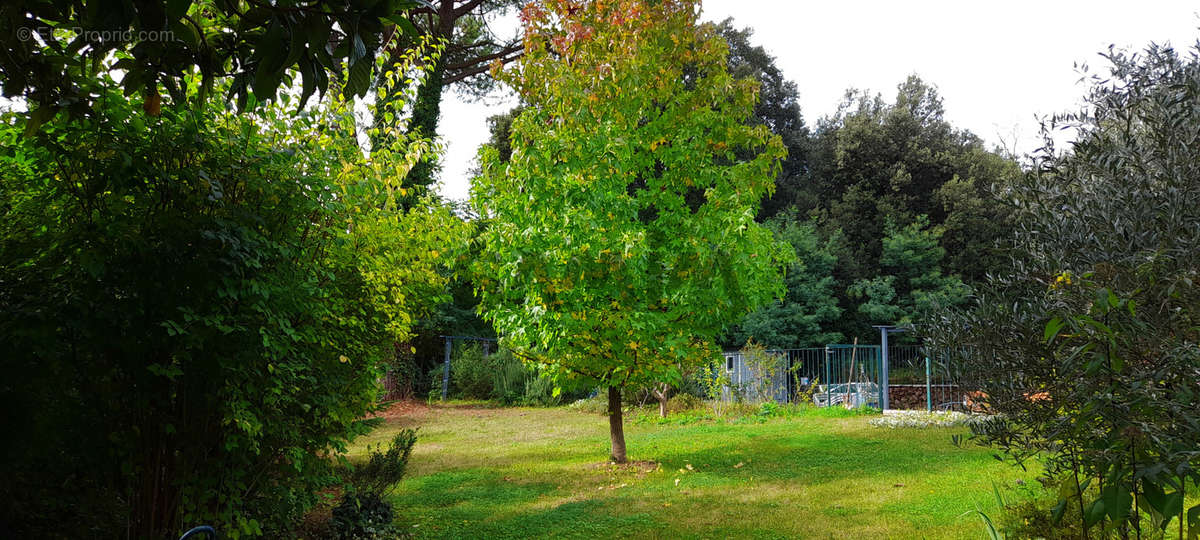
[(521, 472)]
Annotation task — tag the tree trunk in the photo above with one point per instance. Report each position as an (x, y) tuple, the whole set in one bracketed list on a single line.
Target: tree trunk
[(616, 427), (661, 392)]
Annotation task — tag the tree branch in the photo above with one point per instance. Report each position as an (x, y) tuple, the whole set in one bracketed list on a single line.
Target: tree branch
[(501, 54), (454, 76), (466, 8)]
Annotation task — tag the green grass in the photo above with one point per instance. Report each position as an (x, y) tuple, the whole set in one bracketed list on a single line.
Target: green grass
[(519, 473)]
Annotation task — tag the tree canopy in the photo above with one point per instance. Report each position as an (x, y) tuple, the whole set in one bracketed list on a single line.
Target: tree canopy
[(622, 238), (56, 48)]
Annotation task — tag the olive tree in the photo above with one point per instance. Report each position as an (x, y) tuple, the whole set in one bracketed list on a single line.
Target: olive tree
[(1090, 345)]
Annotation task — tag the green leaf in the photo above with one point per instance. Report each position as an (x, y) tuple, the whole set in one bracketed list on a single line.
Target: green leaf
[(308, 80), (38, 117), (1094, 513), (1172, 506), (1052, 329), (1056, 513), (1153, 494), (359, 79), (1118, 500)]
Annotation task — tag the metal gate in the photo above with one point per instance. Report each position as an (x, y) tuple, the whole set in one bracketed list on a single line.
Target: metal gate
[(853, 377)]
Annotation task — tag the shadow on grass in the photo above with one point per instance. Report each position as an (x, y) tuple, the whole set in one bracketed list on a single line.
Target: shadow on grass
[(481, 503)]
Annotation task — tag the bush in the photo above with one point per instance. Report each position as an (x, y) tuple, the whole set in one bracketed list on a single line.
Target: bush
[(362, 516), (539, 392), (510, 378), (597, 404), (364, 511), (190, 327), (684, 402), (924, 419), (383, 470), (499, 376), (472, 373), (1029, 513)]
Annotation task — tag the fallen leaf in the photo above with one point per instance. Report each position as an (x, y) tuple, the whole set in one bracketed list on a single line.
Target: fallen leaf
[(689, 467), (739, 465)]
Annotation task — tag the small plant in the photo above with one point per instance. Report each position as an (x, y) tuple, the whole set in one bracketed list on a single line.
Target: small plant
[(383, 470), (364, 511), (362, 516), (804, 393), (765, 370), (768, 409), (716, 383)]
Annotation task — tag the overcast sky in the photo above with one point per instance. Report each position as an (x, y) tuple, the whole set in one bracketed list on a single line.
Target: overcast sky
[(997, 65)]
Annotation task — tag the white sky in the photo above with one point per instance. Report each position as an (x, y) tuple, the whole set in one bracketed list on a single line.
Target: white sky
[(997, 65)]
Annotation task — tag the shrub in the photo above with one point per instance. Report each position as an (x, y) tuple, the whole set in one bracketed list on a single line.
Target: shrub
[(1028, 512), (382, 470), (191, 328), (539, 391), (597, 404), (364, 511), (472, 373), (499, 376), (510, 378), (768, 371), (362, 516), (684, 402)]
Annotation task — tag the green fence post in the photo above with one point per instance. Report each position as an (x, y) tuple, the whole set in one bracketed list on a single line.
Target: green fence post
[(928, 387), (828, 382), (446, 370)]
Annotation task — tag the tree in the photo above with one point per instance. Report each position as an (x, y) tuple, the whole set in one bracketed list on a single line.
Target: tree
[(911, 281), (56, 48), (471, 47), (622, 238), (778, 108), (873, 163), (1088, 344), (889, 162), (804, 316)]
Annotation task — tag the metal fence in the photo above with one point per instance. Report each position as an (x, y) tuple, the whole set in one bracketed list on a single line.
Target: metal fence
[(898, 377), (834, 374)]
